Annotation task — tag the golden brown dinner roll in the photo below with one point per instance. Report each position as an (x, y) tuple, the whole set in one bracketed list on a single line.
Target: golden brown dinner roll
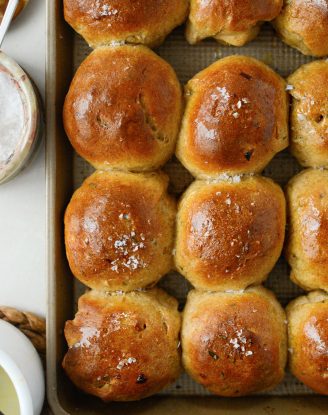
[(303, 24), (146, 22), (123, 347), (119, 230), (235, 120), (308, 340), (234, 343), (309, 122), (307, 249), (230, 235), (123, 109), (235, 22)]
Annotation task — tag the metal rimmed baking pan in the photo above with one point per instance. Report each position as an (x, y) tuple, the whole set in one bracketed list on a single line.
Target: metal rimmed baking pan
[(65, 171)]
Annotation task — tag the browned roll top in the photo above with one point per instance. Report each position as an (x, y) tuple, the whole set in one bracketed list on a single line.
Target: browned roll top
[(123, 109), (235, 120), (303, 24), (230, 21), (309, 121), (238, 15), (133, 21), (234, 344), (230, 235), (308, 340), (307, 253), (123, 347), (119, 230)]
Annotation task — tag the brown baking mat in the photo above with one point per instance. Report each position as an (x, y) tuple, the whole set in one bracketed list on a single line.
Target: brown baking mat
[(187, 61)]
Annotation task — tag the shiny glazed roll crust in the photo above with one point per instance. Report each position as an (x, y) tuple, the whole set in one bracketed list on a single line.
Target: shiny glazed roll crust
[(123, 109), (309, 120), (303, 24), (234, 344), (146, 22), (235, 22), (119, 230), (235, 120), (308, 340), (230, 235), (123, 347), (307, 249)]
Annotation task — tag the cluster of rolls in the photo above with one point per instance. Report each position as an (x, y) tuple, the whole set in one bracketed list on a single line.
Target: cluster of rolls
[(307, 245), (302, 24), (231, 227), (124, 114)]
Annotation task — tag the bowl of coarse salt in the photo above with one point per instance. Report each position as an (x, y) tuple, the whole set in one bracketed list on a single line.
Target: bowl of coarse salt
[(20, 118)]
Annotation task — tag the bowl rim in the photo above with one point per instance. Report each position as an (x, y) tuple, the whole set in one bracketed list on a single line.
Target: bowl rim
[(20, 384), (13, 362), (32, 110)]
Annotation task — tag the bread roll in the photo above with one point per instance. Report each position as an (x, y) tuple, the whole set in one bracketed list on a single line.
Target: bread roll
[(230, 235), (235, 22), (146, 22), (119, 230), (123, 347), (303, 24), (235, 120), (308, 340), (309, 122), (307, 249), (123, 109), (234, 344)]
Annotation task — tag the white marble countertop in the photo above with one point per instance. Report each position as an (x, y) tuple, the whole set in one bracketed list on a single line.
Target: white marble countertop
[(22, 200)]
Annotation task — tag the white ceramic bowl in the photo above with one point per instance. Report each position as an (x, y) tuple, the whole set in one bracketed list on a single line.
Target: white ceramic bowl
[(33, 120), (21, 362)]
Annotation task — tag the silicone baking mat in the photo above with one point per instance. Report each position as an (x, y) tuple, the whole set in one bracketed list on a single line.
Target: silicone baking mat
[(187, 61)]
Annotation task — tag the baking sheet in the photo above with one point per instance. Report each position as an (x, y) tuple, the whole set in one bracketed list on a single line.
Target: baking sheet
[(187, 61)]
